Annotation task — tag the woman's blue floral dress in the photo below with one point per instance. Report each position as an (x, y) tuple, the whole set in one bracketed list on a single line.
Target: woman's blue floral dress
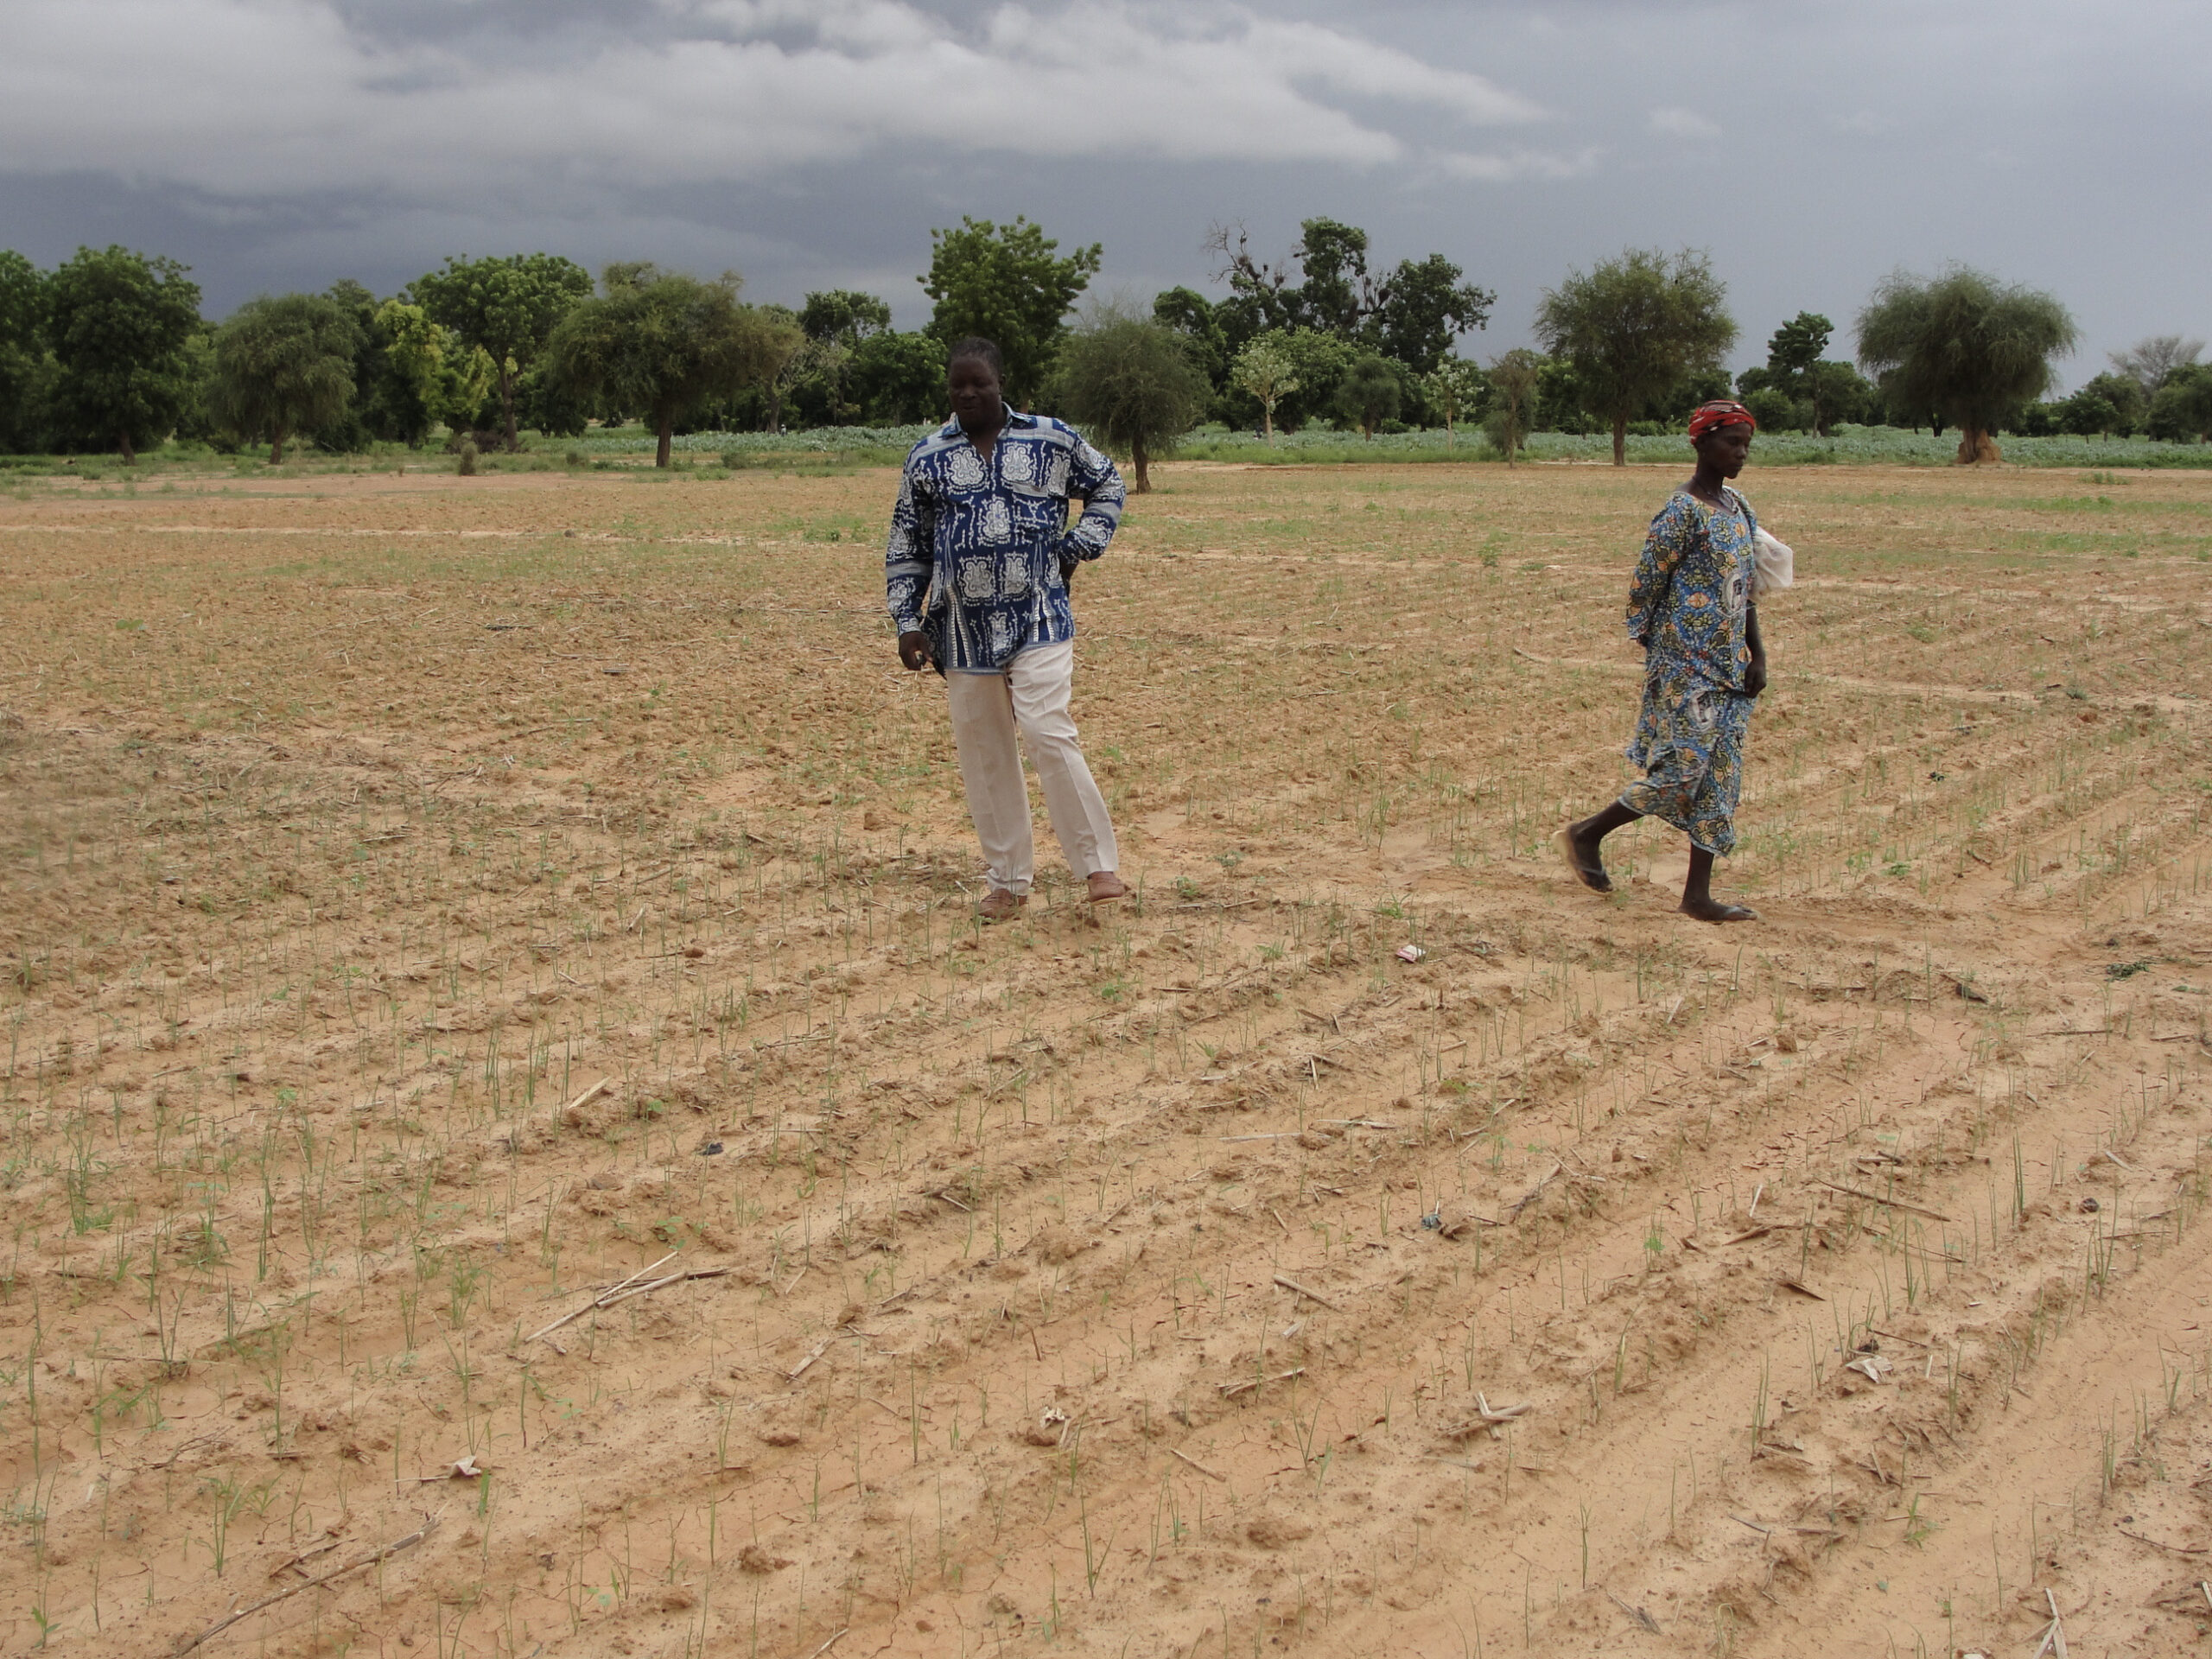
[(1687, 609)]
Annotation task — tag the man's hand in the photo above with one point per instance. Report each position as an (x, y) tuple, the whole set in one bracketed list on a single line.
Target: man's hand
[(1755, 676), (914, 651), (1068, 564)]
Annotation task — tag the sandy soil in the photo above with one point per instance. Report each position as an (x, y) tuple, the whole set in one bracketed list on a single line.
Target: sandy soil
[(439, 909)]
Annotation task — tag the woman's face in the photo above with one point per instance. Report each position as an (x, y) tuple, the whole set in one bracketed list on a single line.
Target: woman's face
[(1726, 447)]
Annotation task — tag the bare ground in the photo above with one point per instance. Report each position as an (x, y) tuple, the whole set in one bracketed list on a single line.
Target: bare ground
[(434, 907)]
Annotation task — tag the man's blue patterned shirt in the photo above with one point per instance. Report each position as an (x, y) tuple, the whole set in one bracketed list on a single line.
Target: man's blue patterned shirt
[(977, 544)]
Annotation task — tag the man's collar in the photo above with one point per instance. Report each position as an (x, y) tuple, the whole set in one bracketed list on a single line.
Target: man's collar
[(952, 428)]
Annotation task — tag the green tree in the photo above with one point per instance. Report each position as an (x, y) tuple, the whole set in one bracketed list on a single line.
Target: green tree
[(284, 364), (2125, 393), (1412, 315), (899, 379), (2182, 412), (1265, 372), (786, 357), (120, 326), (1422, 307), (1963, 347), (661, 343), (1370, 393), (1797, 345), (443, 377), (22, 311), (843, 316), (1131, 382), (1321, 361), (1455, 388), (1772, 408), (1190, 314), (1815, 392), (819, 388), (509, 305), (1006, 284), (1634, 328), (1515, 378), (1837, 393)]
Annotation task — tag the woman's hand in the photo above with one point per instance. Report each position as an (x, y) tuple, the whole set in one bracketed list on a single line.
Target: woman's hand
[(1755, 676), (914, 651)]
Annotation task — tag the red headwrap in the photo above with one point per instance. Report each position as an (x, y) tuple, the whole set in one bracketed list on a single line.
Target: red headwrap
[(1723, 412)]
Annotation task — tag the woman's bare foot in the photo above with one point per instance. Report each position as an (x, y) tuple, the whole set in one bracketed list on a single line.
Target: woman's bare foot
[(1105, 885), (1709, 909), (1582, 856)]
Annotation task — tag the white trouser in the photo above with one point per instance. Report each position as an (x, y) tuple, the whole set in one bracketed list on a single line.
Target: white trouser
[(1031, 695)]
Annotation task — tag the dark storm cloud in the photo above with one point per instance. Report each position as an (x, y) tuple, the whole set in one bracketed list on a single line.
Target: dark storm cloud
[(280, 143)]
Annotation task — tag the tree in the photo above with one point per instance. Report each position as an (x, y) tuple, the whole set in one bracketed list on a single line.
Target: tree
[(1455, 387), (120, 326), (1370, 393), (835, 321), (1964, 348), (1515, 378), (843, 316), (443, 379), (1265, 371), (899, 379), (1634, 328), (1797, 345), (2087, 414), (2182, 412), (1005, 283), (1320, 361), (785, 355), (1131, 382), (662, 343), (1414, 315), (1190, 314), (508, 305), (2124, 406), (284, 364), (2151, 362), (1422, 307), (1772, 408), (22, 310)]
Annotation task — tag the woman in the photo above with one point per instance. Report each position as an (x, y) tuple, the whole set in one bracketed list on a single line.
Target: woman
[(1691, 609)]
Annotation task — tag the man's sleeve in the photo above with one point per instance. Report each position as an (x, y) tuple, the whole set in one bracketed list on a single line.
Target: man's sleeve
[(1662, 550), (907, 556), (1093, 476)]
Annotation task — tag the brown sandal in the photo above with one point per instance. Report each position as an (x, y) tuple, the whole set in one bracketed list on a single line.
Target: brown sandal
[(1001, 905), (1106, 886)]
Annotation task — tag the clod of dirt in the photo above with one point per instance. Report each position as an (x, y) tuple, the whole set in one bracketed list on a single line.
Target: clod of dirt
[(2090, 1206), (755, 1559), (1058, 1244), (778, 1427), (1273, 1528), (1455, 1220)]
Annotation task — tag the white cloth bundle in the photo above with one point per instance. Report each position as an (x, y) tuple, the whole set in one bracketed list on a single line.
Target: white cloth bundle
[(1775, 566)]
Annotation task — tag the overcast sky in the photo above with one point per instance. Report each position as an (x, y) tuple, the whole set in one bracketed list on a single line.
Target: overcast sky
[(1810, 148)]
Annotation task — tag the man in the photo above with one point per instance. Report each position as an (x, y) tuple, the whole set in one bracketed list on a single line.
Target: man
[(976, 577), (1690, 608)]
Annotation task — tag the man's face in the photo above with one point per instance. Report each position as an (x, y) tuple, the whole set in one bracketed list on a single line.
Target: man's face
[(1724, 449), (978, 400)]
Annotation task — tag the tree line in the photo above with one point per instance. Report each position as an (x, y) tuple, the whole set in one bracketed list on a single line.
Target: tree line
[(109, 352)]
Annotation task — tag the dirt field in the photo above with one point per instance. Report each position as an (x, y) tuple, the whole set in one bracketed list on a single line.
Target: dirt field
[(435, 909)]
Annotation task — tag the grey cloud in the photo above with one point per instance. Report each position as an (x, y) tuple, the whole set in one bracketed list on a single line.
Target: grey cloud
[(285, 143)]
